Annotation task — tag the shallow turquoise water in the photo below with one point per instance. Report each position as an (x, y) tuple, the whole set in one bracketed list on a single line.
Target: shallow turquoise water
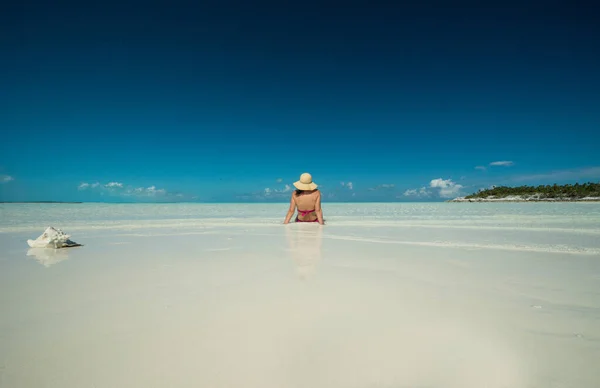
[(573, 214)]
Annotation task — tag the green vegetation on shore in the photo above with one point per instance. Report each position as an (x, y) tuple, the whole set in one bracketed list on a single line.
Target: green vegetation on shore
[(543, 191)]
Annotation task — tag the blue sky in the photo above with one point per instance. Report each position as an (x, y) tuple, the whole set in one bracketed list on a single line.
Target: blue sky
[(220, 101)]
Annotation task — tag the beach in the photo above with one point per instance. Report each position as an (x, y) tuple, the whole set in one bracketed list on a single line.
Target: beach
[(525, 198), (387, 295)]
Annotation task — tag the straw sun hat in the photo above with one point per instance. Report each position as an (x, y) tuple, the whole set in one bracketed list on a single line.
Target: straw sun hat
[(305, 182)]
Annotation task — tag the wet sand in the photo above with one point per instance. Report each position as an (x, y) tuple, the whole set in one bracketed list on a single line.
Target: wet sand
[(244, 304)]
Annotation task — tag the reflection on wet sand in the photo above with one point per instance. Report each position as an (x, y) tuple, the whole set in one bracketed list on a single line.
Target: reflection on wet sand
[(48, 256), (304, 247)]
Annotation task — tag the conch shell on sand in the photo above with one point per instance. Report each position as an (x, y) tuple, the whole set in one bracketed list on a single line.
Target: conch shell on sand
[(53, 238)]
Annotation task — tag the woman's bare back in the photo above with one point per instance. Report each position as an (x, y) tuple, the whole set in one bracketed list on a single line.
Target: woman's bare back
[(306, 202)]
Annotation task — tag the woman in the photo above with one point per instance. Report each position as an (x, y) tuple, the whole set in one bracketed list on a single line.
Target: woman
[(308, 201)]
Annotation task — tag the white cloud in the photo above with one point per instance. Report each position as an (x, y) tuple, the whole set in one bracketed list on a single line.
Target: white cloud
[(505, 163), (6, 178), (152, 191), (383, 186), (422, 192), (120, 189), (269, 192), (279, 180), (482, 168), (439, 182), (447, 188), (85, 185), (347, 185)]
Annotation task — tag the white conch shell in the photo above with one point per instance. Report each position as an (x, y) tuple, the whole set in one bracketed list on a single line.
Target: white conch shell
[(52, 238)]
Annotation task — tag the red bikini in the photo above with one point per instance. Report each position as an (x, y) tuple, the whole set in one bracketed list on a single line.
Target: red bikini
[(304, 213)]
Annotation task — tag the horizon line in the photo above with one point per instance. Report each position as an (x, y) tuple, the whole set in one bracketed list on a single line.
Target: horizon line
[(202, 202)]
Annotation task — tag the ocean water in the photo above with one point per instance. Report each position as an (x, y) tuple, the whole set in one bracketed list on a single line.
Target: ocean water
[(560, 227), (574, 214)]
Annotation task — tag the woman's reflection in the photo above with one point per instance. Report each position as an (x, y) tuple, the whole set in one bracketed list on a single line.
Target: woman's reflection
[(304, 246)]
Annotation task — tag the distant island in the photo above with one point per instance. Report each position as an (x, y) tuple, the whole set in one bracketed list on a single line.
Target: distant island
[(585, 192)]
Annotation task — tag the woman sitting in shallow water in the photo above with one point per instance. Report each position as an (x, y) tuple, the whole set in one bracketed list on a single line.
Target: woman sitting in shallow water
[(308, 201)]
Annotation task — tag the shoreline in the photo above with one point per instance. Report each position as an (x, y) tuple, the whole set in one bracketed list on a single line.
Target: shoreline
[(521, 199)]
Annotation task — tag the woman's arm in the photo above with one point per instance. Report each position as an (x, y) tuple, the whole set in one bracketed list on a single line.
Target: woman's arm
[(318, 209), (291, 210)]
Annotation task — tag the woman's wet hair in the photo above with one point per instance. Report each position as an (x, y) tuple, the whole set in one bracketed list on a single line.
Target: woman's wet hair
[(298, 191)]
